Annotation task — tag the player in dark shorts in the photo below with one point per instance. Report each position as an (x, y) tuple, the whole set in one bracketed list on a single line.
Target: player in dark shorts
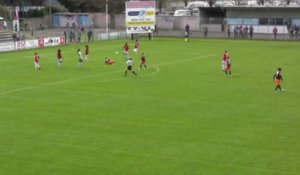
[(129, 67), (143, 61), (278, 79), (228, 67)]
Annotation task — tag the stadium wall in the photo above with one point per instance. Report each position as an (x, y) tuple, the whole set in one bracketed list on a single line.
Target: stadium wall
[(31, 44), (263, 13)]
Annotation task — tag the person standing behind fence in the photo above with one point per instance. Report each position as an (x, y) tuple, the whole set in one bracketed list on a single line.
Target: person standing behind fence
[(79, 36), (228, 31), (205, 29), (241, 31), (89, 34), (65, 35), (187, 30), (275, 32), (251, 31), (4, 25), (155, 30), (245, 30), (186, 33), (236, 32), (296, 32)]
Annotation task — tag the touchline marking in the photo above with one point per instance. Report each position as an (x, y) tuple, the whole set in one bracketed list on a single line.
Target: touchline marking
[(157, 70), (76, 79), (153, 73), (57, 83)]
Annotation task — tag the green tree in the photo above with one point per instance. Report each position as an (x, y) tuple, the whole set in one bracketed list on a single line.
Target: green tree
[(114, 7), (211, 2), (185, 2), (93, 5)]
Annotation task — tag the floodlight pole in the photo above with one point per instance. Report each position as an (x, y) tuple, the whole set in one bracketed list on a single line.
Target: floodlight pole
[(23, 14), (50, 12), (106, 6)]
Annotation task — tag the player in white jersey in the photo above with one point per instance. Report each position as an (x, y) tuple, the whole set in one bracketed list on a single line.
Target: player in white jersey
[(80, 58), (129, 63)]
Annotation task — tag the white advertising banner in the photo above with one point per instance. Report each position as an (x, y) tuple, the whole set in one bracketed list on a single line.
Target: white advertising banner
[(51, 41), (30, 44), (7, 46), (54, 41), (21, 45), (27, 44), (140, 16)]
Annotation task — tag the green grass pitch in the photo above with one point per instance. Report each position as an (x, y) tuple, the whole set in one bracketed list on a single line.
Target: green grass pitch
[(181, 116)]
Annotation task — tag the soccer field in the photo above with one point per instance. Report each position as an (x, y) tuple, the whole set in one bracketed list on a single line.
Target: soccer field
[(181, 116)]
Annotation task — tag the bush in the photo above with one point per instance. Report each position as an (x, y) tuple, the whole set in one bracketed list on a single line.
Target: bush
[(35, 13)]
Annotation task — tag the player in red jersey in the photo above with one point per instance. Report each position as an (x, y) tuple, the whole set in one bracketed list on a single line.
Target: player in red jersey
[(136, 46), (224, 60), (278, 78), (86, 53), (126, 50), (143, 61), (59, 58), (109, 61), (228, 67), (37, 61)]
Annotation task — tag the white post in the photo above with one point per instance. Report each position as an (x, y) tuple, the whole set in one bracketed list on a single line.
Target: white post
[(106, 5), (50, 12)]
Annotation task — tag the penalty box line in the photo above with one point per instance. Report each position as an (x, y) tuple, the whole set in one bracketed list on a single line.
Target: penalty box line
[(157, 70)]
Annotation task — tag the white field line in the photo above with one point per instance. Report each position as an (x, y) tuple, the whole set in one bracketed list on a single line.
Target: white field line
[(57, 83), (71, 50), (157, 70)]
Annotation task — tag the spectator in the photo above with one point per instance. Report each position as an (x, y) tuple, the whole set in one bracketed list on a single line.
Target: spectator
[(246, 32), (275, 32), (291, 30), (90, 34), (14, 36), (241, 32), (251, 31), (16, 28), (155, 29), (4, 25), (296, 32), (187, 30), (205, 29), (65, 35), (228, 31), (236, 32), (79, 37), (70, 36)]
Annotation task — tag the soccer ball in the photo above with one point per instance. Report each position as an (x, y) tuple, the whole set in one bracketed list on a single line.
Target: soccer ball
[(116, 52)]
